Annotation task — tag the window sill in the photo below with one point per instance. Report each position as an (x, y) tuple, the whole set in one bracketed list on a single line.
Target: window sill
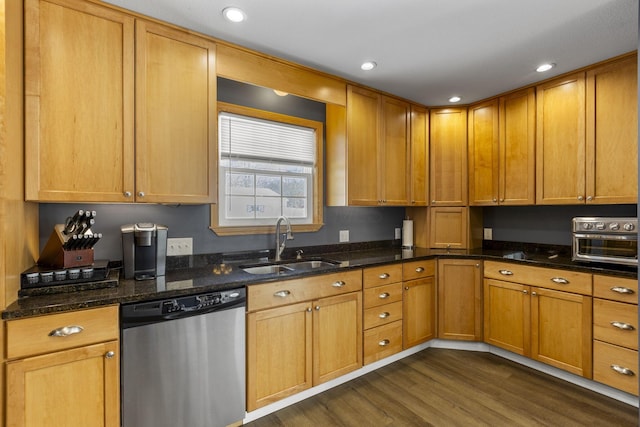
[(262, 229)]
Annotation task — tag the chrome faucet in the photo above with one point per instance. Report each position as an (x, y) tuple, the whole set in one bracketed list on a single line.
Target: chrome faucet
[(289, 236)]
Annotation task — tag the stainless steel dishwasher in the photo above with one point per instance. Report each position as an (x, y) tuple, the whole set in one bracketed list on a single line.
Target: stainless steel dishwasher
[(183, 361)]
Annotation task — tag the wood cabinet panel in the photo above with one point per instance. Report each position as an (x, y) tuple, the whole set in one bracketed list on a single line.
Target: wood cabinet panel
[(460, 299), (418, 269), (615, 366), (382, 342), (176, 119), (484, 164), (506, 316), (560, 141), (76, 387), (419, 311), (419, 170), (615, 323), (381, 275), (615, 288), (448, 157), (395, 155), (385, 294), (381, 315), (79, 135)]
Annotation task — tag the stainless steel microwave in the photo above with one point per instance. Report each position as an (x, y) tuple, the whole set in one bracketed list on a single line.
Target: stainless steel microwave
[(605, 240)]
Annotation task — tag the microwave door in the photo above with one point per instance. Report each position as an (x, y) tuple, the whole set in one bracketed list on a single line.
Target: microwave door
[(617, 249)]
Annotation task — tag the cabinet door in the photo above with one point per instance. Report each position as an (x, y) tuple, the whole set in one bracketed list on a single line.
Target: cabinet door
[(449, 227), (507, 316), (460, 299), (175, 116), (363, 128), (419, 170), (517, 174), (278, 353), (394, 185), (418, 311), (79, 105), (448, 157), (77, 387), (561, 330), (612, 133), (560, 141), (483, 153), (337, 336)]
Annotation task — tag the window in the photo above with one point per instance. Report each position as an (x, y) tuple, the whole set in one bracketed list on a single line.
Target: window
[(268, 166)]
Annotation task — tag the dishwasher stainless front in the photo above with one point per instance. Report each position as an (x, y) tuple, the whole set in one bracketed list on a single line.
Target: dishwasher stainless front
[(183, 361)]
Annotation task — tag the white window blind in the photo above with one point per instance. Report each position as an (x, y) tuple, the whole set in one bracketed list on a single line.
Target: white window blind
[(253, 138)]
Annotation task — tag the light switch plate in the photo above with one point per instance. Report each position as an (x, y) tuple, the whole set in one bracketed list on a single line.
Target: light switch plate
[(488, 234), (180, 246), (344, 236)]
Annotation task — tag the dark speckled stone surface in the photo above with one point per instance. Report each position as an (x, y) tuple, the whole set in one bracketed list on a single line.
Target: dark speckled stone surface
[(203, 273)]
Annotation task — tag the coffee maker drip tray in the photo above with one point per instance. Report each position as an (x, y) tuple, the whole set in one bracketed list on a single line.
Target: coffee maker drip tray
[(39, 280)]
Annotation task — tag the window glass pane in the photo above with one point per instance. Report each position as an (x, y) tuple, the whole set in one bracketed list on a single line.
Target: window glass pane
[(268, 207), (294, 207), (240, 207), (240, 184), (294, 186), (268, 185)]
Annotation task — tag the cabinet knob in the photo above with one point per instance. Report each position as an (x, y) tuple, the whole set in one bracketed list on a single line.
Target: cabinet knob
[(127, 194), (109, 354), (501, 200), (65, 331), (406, 288), (589, 198), (317, 307), (581, 198), (524, 291), (140, 193), (433, 201), (384, 343), (308, 309), (495, 200), (534, 293), (478, 265)]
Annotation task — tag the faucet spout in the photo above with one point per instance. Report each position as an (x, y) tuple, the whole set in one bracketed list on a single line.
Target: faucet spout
[(288, 235)]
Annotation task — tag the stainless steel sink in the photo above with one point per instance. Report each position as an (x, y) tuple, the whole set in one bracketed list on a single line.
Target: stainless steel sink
[(285, 267)]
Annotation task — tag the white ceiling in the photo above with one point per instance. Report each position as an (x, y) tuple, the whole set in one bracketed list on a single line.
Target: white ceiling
[(426, 50)]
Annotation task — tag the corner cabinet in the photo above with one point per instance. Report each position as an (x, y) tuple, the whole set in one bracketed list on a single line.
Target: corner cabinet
[(448, 157), (80, 107), (460, 299), (378, 149), (419, 300), (64, 370), (419, 171)]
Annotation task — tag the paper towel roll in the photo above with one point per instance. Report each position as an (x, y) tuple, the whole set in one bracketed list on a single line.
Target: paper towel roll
[(407, 233)]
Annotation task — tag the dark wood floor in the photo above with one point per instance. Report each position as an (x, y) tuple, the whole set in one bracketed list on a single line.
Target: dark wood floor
[(439, 387)]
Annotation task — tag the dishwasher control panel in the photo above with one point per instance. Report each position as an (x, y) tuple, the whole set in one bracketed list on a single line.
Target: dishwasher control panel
[(202, 301)]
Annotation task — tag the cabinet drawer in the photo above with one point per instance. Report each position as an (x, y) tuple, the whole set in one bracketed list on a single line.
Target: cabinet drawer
[(382, 275), (382, 315), (615, 323), (418, 269), (550, 278), (382, 341), (380, 295), (54, 332), (615, 366), (615, 288), (304, 289)]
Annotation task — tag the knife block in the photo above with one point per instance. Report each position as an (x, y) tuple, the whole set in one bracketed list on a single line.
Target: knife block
[(54, 255)]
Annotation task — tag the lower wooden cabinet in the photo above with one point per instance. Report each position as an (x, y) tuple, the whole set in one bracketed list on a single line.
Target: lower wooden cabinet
[(547, 325), (64, 370), (295, 346), (418, 302), (460, 299)]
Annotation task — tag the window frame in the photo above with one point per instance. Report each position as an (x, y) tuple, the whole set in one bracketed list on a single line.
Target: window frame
[(317, 173)]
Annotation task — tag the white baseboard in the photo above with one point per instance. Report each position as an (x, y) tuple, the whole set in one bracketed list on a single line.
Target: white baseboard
[(452, 345)]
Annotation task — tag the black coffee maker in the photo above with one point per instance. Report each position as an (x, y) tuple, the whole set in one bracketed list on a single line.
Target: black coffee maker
[(144, 250)]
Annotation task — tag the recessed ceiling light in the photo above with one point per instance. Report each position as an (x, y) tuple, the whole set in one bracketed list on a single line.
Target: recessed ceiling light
[(455, 99), (545, 67), (368, 66), (234, 14)]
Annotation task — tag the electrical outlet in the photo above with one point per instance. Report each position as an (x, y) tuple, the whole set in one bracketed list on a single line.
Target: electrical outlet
[(180, 246), (344, 236), (488, 234), (398, 232)]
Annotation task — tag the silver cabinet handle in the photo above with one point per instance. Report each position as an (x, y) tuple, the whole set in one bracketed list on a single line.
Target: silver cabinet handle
[(308, 309), (621, 370), (506, 272), (317, 307), (140, 193), (560, 280), (621, 290), (282, 294), (524, 291), (127, 194), (384, 295), (338, 284), (419, 270), (65, 331), (581, 198), (384, 343), (109, 354), (589, 198), (495, 200), (406, 288), (384, 276), (623, 326), (534, 293), (384, 315)]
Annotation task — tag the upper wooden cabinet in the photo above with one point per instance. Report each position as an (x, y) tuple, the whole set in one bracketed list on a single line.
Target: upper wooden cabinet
[(419, 170), (87, 80), (176, 117), (587, 136), (612, 132), (448, 157), (377, 147), (502, 150)]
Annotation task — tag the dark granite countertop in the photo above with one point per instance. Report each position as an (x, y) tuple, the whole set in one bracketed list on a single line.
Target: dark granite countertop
[(207, 273)]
